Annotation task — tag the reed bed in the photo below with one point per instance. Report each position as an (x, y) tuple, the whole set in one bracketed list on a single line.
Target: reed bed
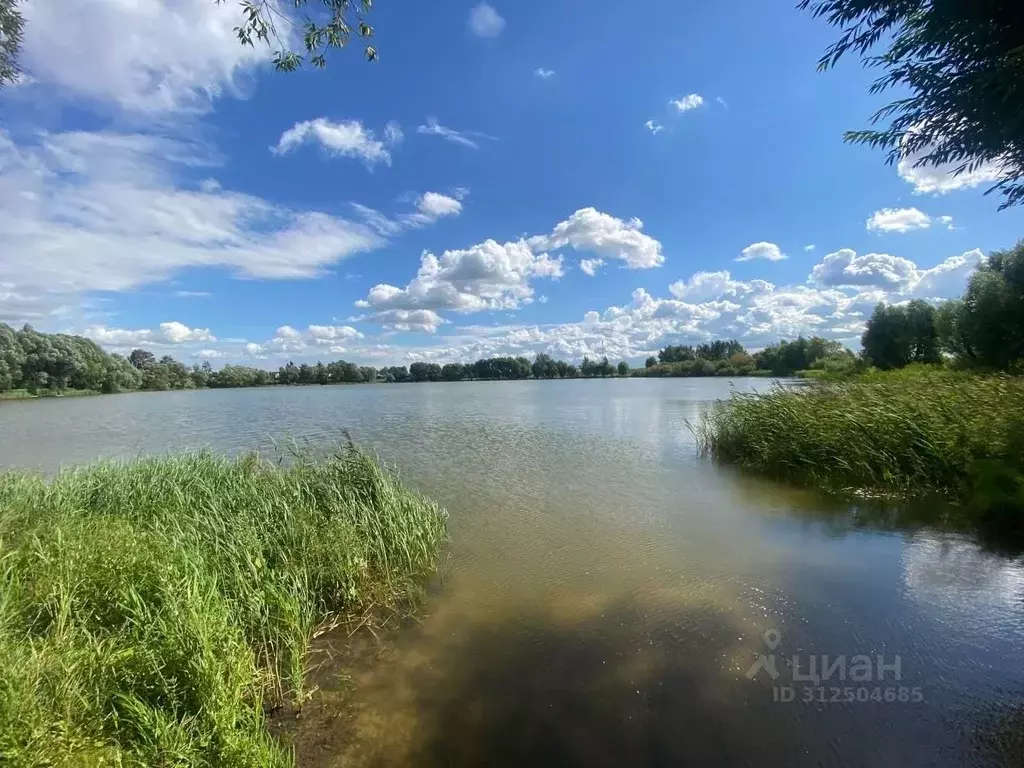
[(913, 431), (151, 612)]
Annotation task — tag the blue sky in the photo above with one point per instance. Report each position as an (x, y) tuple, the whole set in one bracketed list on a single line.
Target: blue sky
[(161, 186)]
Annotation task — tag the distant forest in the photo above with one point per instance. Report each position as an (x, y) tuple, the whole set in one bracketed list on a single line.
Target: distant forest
[(45, 363)]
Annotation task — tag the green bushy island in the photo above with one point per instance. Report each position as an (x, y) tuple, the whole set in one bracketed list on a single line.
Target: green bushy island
[(153, 611)]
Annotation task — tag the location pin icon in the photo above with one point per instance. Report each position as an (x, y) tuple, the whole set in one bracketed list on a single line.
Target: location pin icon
[(772, 637)]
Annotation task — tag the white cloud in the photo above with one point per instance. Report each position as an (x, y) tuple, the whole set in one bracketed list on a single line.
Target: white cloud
[(487, 276), (168, 334), (898, 220), (436, 205), (326, 335), (810, 247), (940, 179), (712, 286), (465, 138), (948, 221), (591, 230), (762, 250), (430, 206), (721, 101), (654, 127), (543, 74), (493, 276), (409, 320), (686, 103), (846, 268), (192, 294), (484, 21), (83, 212), (705, 306), (899, 276), (346, 139), (210, 354), (145, 56)]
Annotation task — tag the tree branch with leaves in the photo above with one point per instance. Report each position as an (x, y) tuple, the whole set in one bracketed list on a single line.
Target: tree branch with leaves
[(963, 64)]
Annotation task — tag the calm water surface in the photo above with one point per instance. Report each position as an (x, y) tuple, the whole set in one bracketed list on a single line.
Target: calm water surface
[(608, 591)]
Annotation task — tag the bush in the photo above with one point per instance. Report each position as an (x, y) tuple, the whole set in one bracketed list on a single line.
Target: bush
[(149, 611)]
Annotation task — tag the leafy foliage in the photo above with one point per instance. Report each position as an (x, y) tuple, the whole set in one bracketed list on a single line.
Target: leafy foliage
[(898, 335), (341, 20), (962, 62), (986, 327), (11, 30)]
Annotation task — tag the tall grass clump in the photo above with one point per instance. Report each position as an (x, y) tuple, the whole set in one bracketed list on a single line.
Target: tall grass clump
[(151, 611), (920, 429)]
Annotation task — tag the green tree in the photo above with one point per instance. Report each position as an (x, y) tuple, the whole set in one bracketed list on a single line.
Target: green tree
[(899, 335), (452, 372), (986, 327), (623, 368), (12, 358), (650, 362), (141, 357), (544, 367), (960, 63)]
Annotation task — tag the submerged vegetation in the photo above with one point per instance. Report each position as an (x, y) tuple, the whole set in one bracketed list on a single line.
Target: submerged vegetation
[(152, 611)]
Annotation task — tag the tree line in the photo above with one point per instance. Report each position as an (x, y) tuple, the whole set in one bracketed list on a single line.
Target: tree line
[(981, 330)]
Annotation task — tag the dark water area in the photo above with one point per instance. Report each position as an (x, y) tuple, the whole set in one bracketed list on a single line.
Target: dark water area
[(612, 599)]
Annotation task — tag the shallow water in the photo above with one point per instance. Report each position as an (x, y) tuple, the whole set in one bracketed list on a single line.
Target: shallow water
[(608, 592)]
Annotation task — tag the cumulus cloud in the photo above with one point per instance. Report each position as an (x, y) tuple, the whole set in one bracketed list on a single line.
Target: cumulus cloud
[(767, 251), (327, 335), (486, 276), (810, 247), (705, 306), (543, 74), (344, 139), (593, 231), (896, 275), (145, 56), (654, 127), (167, 334), (463, 138), (898, 220), (493, 276), (484, 21), (686, 103), (947, 221), (846, 268), (83, 212), (412, 320)]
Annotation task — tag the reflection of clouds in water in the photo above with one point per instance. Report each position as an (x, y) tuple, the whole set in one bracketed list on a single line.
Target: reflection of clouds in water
[(955, 574)]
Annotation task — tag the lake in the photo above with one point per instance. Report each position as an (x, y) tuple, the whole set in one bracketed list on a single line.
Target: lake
[(612, 599)]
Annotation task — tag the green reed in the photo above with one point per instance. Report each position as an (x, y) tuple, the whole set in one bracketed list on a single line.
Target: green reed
[(152, 611), (922, 429)]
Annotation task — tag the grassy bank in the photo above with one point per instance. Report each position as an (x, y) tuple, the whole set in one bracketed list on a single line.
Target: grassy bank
[(24, 394), (151, 611), (921, 429)]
